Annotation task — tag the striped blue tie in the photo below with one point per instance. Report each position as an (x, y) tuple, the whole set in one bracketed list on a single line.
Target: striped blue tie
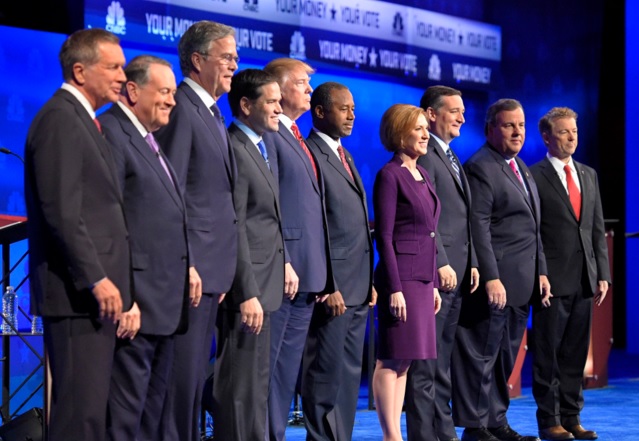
[(453, 163)]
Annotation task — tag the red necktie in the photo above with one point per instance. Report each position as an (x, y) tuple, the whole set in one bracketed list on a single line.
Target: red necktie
[(514, 169), (298, 136), (342, 157), (97, 124), (573, 192)]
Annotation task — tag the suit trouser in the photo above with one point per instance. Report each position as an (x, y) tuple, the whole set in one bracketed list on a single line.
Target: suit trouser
[(487, 344), (240, 389), (289, 327), (80, 354), (139, 382), (560, 351), (428, 391), (331, 372), (192, 353)]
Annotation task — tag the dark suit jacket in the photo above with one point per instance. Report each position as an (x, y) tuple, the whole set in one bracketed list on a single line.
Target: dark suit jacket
[(351, 248), (205, 168), (156, 218), (454, 241), (505, 225), (260, 266), (302, 205), (405, 226), (77, 232), (567, 242)]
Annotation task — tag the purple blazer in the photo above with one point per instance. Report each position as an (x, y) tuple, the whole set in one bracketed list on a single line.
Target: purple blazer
[(405, 228)]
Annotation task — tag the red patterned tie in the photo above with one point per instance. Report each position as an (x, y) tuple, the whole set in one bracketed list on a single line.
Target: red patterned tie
[(514, 169), (298, 136), (573, 192), (342, 156)]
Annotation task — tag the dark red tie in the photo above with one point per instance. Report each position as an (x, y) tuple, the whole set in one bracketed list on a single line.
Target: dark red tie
[(300, 139), (573, 192), (97, 124), (342, 157)]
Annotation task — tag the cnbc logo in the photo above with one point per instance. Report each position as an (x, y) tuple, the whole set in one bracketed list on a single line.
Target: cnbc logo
[(115, 21)]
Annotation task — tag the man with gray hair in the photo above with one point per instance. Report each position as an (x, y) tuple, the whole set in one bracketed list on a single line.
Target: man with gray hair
[(196, 143), (78, 240), (154, 209)]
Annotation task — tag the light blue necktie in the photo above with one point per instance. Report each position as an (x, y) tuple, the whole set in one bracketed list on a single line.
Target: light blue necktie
[(453, 163), (264, 153)]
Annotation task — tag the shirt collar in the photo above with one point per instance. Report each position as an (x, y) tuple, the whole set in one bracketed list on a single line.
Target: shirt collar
[(254, 137), (558, 164), (80, 97), (332, 143), (441, 143), (134, 119), (206, 97)]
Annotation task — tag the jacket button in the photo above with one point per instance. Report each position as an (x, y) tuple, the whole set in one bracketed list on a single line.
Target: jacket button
[(280, 251), (432, 234), (234, 221)]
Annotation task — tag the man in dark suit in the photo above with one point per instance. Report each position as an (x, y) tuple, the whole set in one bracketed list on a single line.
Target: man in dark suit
[(505, 228), (456, 267), (79, 251), (242, 367), (196, 143), (574, 239), (156, 218), (304, 230), (332, 362)]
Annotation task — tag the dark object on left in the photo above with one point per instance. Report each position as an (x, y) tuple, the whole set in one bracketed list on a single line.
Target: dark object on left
[(25, 427)]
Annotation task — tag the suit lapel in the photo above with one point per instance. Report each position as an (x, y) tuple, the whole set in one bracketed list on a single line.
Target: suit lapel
[(333, 160), (550, 174), (295, 145), (587, 190), (256, 156), (439, 152)]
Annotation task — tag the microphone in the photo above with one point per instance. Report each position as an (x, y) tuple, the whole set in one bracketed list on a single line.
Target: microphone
[(9, 152)]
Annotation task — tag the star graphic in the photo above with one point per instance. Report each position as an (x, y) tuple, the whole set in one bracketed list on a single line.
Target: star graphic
[(373, 58), (333, 12)]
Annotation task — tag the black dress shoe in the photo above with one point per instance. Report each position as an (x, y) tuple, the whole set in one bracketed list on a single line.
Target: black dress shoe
[(580, 433), (555, 433), (480, 434), (506, 433)]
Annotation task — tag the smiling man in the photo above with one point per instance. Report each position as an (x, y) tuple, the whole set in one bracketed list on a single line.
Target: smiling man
[(456, 267), (154, 209), (574, 239), (505, 224), (243, 347)]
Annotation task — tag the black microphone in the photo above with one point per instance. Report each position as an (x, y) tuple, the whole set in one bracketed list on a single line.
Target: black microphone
[(9, 152)]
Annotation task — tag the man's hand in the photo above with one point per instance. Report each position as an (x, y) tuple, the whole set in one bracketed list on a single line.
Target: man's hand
[(335, 305), (397, 305), (130, 323), (109, 300), (447, 278), (195, 287), (252, 315), (602, 290), (544, 287), (438, 300), (496, 294), (373, 301), (474, 280), (291, 281)]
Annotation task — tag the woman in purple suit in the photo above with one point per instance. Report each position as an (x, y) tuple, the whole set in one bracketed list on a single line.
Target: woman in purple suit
[(406, 213)]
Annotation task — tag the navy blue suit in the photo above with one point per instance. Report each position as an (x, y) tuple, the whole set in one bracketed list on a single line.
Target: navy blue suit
[(334, 347), (205, 169), (506, 233), (304, 231), (156, 218), (454, 248), (77, 237)]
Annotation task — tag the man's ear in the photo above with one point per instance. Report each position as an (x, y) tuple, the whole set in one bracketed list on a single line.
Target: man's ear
[(196, 61), (431, 114), (546, 137), (245, 106), (132, 92), (318, 111), (79, 70)]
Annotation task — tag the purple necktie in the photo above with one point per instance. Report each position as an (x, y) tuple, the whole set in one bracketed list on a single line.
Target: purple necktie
[(150, 140)]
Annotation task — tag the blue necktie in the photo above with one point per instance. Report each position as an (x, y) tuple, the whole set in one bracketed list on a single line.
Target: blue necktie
[(453, 163), (264, 153)]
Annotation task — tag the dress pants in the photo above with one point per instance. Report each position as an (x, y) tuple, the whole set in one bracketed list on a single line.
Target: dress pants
[(428, 412), (141, 374), (80, 351), (560, 350), (487, 344), (332, 371), (289, 327), (240, 389), (190, 362)]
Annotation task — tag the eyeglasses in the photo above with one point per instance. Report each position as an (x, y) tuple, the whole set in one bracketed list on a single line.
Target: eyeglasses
[(224, 58)]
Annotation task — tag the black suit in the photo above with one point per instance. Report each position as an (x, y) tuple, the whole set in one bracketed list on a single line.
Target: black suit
[(205, 169), (505, 228), (577, 258), (454, 248), (77, 237), (333, 353), (242, 367), (156, 218)]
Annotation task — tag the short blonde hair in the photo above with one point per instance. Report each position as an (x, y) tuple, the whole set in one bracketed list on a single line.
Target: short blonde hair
[(397, 123), (546, 122), (280, 68)]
